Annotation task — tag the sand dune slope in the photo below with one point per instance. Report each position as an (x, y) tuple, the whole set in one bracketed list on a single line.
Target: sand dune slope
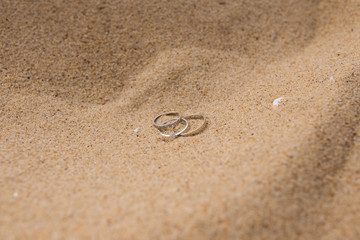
[(76, 80)]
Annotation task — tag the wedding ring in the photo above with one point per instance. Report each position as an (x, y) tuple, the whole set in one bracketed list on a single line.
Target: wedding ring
[(199, 129), (174, 121), (174, 135), (167, 123)]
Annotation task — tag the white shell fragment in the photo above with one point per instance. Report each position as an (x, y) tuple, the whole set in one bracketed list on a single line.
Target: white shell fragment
[(137, 129), (277, 101), (15, 194), (332, 79)]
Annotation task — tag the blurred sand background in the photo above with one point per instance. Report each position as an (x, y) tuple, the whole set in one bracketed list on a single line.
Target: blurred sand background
[(78, 77)]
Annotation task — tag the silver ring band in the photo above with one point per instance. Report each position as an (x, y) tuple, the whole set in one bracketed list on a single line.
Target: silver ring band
[(199, 129), (173, 135), (166, 123)]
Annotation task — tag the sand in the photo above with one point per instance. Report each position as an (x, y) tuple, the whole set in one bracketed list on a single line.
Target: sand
[(81, 82)]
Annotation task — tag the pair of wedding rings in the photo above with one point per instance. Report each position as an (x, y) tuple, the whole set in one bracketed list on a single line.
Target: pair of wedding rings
[(177, 120)]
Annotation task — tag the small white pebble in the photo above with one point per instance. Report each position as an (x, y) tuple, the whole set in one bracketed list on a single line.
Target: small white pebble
[(332, 79), (137, 129), (277, 101), (15, 194)]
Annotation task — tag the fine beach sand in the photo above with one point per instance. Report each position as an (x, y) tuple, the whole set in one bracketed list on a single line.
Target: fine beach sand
[(78, 77)]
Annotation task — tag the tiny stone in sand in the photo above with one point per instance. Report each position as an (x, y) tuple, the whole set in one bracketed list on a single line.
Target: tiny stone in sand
[(277, 101)]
